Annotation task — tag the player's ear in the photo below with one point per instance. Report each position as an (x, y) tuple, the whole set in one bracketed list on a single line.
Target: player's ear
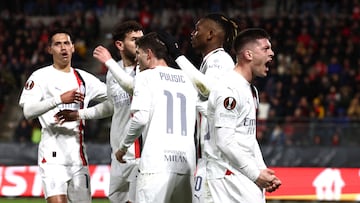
[(72, 48), (49, 50), (248, 54), (210, 34), (150, 54), (119, 45)]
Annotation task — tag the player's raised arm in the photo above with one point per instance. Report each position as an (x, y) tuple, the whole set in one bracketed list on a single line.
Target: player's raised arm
[(202, 83), (124, 79)]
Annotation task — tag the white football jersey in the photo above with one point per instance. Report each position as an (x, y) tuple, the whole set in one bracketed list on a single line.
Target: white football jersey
[(233, 105), (170, 98), (215, 64), (121, 116), (60, 144)]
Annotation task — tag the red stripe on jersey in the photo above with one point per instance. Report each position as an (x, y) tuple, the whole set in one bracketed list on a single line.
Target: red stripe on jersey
[(81, 125), (137, 148), (81, 137)]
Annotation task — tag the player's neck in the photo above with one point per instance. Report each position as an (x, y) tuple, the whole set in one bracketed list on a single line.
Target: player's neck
[(209, 49), (127, 62), (157, 62), (65, 68), (244, 70)]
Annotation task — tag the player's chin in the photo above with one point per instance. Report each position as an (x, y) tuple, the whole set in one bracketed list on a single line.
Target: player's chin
[(263, 73)]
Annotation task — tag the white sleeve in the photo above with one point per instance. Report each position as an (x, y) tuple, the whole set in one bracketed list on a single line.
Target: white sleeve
[(201, 106), (202, 83), (125, 80), (98, 89), (235, 152), (34, 109), (101, 110), (137, 124)]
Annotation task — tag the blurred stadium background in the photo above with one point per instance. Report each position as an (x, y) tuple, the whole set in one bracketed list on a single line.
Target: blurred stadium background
[(308, 123)]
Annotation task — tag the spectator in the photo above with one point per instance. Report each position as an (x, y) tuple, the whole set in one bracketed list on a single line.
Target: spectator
[(23, 132), (353, 110), (331, 32), (335, 139), (277, 136)]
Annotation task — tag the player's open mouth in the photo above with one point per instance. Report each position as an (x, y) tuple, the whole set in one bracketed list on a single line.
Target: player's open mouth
[(269, 63)]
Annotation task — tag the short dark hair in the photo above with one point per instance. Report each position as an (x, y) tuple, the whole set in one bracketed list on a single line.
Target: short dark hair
[(58, 31), (247, 36), (152, 41), (228, 25), (122, 28)]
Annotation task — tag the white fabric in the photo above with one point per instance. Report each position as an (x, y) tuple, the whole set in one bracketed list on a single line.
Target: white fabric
[(201, 194), (119, 81), (238, 189), (164, 188), (200, 81), (169, 98), (98, 111), (121, 75), (122, 187), (215, 64), (73, 181), (232, 117), (60, 144), (121, 101)]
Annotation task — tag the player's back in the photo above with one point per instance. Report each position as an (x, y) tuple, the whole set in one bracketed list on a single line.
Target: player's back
[(171, 100)]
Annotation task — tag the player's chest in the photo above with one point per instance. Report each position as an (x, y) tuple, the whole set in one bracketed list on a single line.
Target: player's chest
[(60, 84)]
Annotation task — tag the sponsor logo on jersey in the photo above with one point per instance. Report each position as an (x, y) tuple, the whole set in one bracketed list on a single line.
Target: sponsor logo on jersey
[(229, 103), (175, 156)]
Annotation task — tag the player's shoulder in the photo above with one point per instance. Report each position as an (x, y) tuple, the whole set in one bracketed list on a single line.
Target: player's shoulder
[(45, 70), (120, 63), (222, 54), (227, 81), (84, 73), (220, 62)]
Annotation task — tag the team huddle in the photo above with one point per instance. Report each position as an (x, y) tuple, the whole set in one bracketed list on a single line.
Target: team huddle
[(177, 135)]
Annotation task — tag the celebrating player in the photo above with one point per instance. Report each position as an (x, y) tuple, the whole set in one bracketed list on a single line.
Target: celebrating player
[(61, 156), (163, 109)]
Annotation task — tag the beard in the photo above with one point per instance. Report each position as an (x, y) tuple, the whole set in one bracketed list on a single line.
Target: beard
[(129, 55)]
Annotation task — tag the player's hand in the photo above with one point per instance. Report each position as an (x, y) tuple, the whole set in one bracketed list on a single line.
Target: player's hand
[(119, 155), (266, 178), (72, 96), (66, 115), (102, 54), (170, 43), (275, 184)]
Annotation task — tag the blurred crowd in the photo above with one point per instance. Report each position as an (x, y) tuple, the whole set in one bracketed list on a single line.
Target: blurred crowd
[(311, 95)]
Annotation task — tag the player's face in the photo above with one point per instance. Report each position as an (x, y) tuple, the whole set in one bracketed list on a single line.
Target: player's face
[(199, 35), (142, 57), (129, 47), (262, 57), (61, 49)]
